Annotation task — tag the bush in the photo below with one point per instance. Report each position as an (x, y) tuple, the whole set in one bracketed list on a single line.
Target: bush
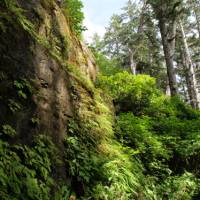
[(26, 173), (178, 187), (129, 92)]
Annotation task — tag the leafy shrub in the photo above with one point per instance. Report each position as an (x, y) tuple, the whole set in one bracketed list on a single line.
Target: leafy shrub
[(136, 132), (120, 175), (83, 163), (7, 130), (130, 93), (178, 187), (25, 172)]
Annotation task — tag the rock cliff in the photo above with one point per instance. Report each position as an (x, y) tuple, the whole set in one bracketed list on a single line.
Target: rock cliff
[(38, 48), (46, 76)]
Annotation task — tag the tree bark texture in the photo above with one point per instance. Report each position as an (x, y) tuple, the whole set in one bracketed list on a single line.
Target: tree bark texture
[(168, 34), (190, 72)]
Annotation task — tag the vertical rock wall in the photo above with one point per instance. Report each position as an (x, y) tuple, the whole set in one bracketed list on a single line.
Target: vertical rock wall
[(24, 58)]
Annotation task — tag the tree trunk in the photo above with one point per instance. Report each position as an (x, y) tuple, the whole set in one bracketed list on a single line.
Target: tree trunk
[(185, 93), (168, 34), (190, 73), (132, 62), (187, 78)]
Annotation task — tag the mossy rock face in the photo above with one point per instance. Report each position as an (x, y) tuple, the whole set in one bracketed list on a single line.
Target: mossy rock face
[(27, 54), (36, 86)]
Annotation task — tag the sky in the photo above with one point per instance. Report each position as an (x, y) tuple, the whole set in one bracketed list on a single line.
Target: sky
[(97, 15)]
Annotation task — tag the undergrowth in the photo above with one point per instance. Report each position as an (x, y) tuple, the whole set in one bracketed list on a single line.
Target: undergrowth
[(26, 171), (162, 132)]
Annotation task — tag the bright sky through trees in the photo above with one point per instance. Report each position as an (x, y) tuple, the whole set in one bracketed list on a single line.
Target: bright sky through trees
[(98, 13)]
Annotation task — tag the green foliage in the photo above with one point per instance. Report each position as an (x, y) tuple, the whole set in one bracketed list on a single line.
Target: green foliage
[(14, 15), (73, 10), (120, 174), (179, 187), (85, 134), (63, 193), (8, 131), (162, 133), (35, 120), (107, 66), (23, 88), (13, 106), (11, 7), (124, 84), (135, 132), (79, 154), (171, 10), (26, 172), (95, 160), (134, 92), (82, 162)]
